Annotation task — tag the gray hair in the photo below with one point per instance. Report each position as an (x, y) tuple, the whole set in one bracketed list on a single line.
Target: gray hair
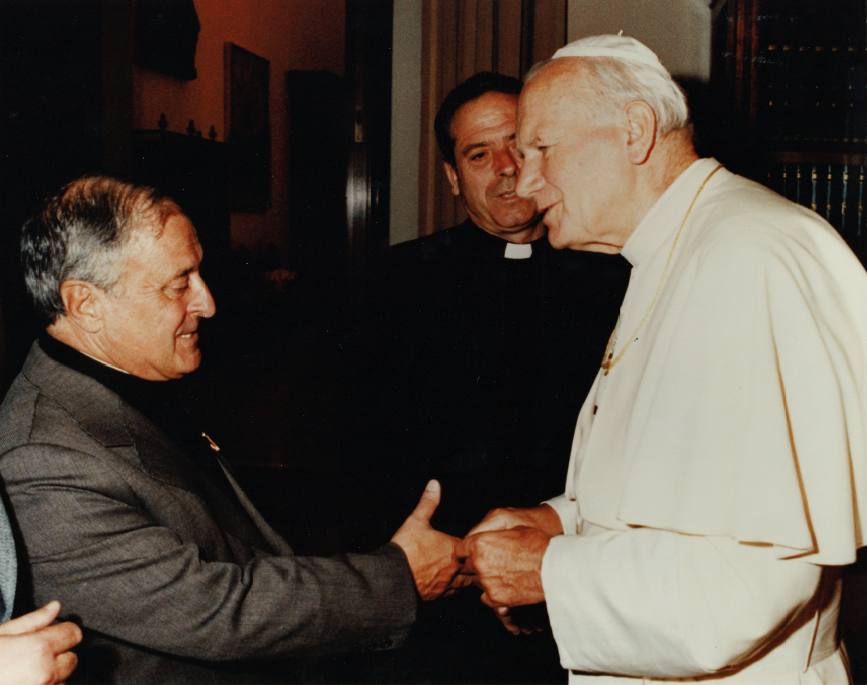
[(81, 233), (622, 70)]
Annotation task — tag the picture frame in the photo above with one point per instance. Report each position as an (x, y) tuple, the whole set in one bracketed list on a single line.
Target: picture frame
[(248, 129), (166, 35)]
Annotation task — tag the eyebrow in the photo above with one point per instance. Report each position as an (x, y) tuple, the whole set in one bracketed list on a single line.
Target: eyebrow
[(485, 143), (182, 273)]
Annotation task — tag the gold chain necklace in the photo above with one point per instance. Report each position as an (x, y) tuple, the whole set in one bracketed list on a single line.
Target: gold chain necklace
[(609, 359)]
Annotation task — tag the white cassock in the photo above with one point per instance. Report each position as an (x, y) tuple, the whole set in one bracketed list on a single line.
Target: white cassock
[(721, 481)]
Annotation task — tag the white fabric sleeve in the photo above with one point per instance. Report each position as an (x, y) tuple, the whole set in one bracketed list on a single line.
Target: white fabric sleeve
[(566, 510), (653, 603)]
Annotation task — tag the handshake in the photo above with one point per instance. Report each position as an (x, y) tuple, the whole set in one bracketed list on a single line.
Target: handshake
[(501, 555)]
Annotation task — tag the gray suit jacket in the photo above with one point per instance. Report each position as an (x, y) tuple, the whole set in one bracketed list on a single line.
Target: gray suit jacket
[(114, 524), (7, 566)]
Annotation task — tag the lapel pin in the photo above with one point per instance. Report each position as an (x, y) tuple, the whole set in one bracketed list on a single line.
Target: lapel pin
[(213, 445)]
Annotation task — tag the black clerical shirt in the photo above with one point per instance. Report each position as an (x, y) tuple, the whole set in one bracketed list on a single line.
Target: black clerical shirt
[(484, 362)]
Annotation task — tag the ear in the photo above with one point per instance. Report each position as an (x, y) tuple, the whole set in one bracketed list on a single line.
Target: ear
[(641, 123), (452, 176), (83, 304)]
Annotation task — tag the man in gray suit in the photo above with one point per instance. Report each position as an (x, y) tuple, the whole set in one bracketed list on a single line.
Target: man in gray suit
[(126, 512), (33, 649)]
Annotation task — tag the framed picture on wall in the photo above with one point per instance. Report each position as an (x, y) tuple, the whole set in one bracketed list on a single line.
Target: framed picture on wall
[(166, 34), (248, 130)]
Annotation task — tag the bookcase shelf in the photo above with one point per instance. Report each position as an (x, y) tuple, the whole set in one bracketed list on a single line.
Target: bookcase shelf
[(815, 156), (792, 81)]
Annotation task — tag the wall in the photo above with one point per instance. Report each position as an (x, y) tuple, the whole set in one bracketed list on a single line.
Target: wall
[(679, 31), (291, 34), (405, 121)]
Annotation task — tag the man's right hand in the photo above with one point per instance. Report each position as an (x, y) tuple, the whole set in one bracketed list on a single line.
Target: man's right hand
[(35, 652), (431, 554), (530, 520), (542, 517)]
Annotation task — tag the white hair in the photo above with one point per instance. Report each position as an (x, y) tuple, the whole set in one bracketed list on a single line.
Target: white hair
[(621, 70)]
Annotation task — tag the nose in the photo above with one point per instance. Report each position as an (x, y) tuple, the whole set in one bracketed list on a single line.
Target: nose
[(505, 163), (530, 181), (202, 302)]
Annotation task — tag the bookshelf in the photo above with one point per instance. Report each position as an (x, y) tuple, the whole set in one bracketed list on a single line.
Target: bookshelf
[(791, 78)]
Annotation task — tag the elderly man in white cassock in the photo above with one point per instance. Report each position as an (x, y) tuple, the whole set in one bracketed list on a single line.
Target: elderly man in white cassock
[(718, 476)]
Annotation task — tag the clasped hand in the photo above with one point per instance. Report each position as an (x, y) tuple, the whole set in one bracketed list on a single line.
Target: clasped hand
[(431, 554), (502, 554)]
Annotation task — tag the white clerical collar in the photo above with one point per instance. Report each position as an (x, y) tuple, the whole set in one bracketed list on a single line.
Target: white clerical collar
[(663, 218), (518, 251)]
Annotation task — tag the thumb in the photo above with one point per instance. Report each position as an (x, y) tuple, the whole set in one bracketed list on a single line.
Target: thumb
[(428, 502), (35, 620)]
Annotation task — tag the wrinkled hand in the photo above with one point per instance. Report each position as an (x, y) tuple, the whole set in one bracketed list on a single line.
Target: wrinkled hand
[(503, 554), (33, 651), (507, 564), (432, 555), (542, 517), (460, 581)]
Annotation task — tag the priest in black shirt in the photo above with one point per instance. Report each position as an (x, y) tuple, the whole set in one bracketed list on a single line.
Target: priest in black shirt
[(487, 340)]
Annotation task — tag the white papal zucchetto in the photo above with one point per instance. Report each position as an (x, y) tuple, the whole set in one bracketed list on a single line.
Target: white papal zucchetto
[(617, 47)]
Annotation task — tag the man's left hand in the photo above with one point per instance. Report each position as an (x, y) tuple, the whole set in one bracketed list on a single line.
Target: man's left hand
[(507, 564)]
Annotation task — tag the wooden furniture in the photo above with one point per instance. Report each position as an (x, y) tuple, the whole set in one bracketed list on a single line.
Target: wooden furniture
[(318, 140), (191, 170), (791, 84)]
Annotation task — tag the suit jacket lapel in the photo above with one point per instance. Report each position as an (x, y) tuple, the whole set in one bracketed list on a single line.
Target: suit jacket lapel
[(166, 462), (275, 541)]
